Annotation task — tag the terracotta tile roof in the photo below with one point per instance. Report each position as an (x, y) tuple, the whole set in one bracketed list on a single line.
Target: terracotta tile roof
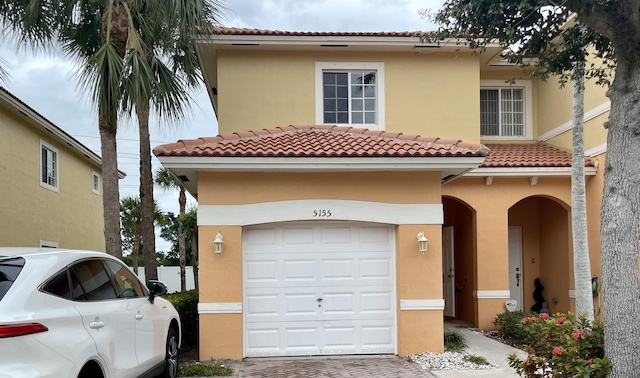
[(528, 155), (320, 141), (245, 31)]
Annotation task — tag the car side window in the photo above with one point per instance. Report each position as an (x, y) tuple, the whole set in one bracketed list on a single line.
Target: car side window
[(59, 286), (94, 281), (125, 281)]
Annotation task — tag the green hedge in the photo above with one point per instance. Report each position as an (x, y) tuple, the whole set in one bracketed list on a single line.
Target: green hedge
[(186, 303)]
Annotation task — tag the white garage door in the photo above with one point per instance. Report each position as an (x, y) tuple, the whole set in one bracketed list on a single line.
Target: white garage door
[(319, 288)]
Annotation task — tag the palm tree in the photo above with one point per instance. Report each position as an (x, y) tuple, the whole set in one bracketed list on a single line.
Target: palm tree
[(174, 71), (167, 182), (131, 221), (107, 40)]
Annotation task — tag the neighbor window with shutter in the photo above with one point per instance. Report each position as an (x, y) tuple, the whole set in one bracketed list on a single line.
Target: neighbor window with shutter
[(505, 112)]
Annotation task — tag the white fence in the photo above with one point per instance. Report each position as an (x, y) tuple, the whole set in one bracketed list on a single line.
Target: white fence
[(170, 275)]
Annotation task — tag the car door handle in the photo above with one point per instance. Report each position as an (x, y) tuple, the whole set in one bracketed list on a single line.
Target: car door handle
[(96, 324), (139, 316)]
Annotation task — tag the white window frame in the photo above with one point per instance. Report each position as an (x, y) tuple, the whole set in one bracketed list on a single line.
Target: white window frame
[(45, 185), (48, 244), (352, 66), (528, 107), (95, 189)]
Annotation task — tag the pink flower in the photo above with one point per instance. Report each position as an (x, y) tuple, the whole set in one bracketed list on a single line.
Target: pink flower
[(544, 316), (590, 361), (561, 320), (578, 334), (529, 319), (557, 351)]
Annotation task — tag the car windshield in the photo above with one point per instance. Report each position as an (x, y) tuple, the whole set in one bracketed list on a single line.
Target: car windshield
[(10, 268)]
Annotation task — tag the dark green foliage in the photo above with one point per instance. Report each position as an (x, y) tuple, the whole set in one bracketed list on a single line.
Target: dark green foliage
[(186, 303), (510, 325), (537, 27), (454, 341), (562, 347), (204, 370)]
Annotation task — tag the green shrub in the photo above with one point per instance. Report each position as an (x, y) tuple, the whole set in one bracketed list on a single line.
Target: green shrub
[(510, 325), (186, 303), (478, 360), (203, 370), (454, 341), (560, 347)]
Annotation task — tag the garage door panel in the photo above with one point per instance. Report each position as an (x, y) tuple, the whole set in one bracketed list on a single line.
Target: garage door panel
[(319, 289)]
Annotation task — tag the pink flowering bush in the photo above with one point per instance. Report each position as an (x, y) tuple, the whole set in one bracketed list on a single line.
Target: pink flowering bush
[(558, 346)]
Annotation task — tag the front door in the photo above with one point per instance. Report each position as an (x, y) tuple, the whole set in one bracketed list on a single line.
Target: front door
[(448, 272), (515, 265)]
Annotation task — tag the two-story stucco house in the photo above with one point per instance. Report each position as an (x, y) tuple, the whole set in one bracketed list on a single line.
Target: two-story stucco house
[(337, 152), (51, 184)]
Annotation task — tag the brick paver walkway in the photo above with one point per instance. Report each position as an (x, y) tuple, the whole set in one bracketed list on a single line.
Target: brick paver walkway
[(330, 367)]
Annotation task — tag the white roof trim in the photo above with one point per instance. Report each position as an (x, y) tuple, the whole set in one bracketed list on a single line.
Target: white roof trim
[(320, 164), (528, 172), (597, 150), (588, 116), (55, 131)]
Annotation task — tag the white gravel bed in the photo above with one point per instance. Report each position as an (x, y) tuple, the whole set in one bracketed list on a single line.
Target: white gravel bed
[(446, 361)]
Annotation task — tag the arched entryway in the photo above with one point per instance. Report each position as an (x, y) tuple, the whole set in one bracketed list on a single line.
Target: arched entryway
[(540, 247), (459, 260)]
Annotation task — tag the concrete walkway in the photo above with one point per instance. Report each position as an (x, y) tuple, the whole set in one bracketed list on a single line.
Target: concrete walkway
[(494, 351)]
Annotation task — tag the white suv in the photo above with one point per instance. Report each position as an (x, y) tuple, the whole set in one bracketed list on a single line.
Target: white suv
[(84, 314)]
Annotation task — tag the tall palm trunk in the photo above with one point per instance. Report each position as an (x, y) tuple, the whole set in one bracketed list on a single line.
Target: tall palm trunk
[(110, 190), (194, 256), (620, 223), (117, 32), (146, 195), (136, 248), (581, 262), (182, 200)]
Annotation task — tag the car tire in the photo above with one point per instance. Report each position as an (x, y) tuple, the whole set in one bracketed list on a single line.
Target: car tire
[(172, 355)]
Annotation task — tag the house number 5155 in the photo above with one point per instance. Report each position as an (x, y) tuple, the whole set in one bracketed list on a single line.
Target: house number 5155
[(321, 213)]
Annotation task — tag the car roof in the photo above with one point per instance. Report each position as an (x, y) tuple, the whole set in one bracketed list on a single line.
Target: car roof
[(32, 252)]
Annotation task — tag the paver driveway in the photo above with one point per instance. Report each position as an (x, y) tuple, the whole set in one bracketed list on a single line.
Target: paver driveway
[(330, 367)]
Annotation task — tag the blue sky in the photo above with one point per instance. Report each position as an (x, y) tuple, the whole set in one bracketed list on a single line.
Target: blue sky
[(48, 84)]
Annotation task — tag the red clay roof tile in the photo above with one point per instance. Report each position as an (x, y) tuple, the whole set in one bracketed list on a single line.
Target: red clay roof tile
[(528, 155), (246, 31), (319, 141)]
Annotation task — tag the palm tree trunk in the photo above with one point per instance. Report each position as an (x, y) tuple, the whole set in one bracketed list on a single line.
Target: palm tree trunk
[(620, 224), (581, 262), (146, 195), (182, 199), (110, 191), (136, 248), (194, 256)]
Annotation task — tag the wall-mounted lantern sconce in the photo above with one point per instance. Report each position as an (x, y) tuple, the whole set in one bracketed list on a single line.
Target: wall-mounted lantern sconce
[(217, 244), (422, 242)]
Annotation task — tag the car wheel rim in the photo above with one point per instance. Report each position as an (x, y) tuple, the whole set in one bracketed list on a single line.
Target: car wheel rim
[(172, 357)]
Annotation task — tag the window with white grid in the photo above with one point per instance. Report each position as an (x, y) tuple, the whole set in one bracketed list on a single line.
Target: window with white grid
[(350, 93), (505, 112), (48, 166)]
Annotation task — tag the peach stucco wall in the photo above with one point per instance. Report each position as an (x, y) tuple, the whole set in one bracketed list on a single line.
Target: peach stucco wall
[(423, 92), (417, 276), (491, 204)]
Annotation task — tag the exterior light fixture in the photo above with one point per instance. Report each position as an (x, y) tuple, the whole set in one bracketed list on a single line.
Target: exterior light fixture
[(422, 242), (217, 244)]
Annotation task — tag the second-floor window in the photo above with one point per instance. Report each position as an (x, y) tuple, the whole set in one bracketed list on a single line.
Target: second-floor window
[(48, 167), (350, 93), (505, 111)]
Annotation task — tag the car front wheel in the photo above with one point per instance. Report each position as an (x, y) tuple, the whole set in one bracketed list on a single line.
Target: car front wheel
[(172, 355)]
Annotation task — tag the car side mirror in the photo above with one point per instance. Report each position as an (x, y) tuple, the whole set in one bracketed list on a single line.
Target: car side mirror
[(157, 289)]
